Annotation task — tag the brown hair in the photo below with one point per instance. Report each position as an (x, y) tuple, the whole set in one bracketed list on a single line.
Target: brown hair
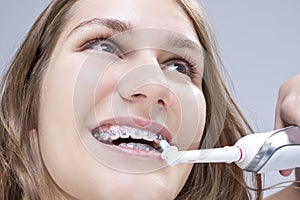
[(22, 173)]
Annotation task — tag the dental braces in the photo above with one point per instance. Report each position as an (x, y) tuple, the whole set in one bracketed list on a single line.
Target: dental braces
[(139, 146), (115, 132)]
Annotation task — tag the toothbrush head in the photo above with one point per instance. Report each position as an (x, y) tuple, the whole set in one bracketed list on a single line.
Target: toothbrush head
[(164, 144), (170, 153)]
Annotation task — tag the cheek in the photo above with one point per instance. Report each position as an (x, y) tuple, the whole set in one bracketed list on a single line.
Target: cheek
[(191, 111), (70, 88), (57, 131), (64, 99)]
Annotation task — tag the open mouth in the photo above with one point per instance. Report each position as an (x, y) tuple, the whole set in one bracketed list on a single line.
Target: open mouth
[(128, 137)]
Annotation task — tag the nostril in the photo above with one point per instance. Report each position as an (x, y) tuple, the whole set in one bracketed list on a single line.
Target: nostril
[(161, 102), (138, 95)]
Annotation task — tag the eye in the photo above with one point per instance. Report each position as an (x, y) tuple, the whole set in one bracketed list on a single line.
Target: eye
[(180, 66), (102, 44)]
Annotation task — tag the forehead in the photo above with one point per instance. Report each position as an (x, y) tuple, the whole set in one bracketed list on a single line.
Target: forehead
[(163, 14)]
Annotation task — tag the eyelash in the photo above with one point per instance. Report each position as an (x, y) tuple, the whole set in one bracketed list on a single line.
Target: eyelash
[(192, 70), (89, 43)]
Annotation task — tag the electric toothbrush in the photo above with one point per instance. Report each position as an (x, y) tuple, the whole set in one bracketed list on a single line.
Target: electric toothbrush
[(260, 152)]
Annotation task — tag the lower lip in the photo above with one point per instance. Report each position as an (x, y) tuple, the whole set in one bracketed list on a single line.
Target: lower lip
[(154, 155)]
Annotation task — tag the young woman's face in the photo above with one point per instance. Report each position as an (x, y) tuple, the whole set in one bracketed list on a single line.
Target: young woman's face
[(123, 74)]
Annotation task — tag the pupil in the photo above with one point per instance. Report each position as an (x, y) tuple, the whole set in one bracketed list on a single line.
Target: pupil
[(107, 48), (180, 68)]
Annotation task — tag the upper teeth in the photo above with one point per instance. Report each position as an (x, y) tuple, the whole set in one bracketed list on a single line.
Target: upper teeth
[(115, 132)]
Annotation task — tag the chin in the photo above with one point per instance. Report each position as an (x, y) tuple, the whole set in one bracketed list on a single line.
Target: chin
[(138, 194), (135, 187)]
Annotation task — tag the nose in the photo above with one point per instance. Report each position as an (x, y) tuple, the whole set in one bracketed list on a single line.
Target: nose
[(147, 85)]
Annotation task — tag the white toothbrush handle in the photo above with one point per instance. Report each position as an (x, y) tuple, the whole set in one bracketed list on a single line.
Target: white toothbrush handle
[(284, 158), (260, 152), (217, 155), (272, 151)]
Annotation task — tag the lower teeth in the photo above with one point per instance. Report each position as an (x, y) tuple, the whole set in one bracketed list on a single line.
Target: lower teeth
[(139, 146)]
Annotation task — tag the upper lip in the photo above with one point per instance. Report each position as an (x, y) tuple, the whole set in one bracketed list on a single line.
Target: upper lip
[(139, 123)]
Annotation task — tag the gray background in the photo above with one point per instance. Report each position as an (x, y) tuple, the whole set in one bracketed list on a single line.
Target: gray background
[(258, 40), (259, 43)]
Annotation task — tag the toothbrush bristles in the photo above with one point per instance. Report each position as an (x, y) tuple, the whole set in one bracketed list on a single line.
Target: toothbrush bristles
[(164, 144)]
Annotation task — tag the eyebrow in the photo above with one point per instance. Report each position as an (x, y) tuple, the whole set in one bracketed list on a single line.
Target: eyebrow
[(113, 24), (180, 42), (119, 26)]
